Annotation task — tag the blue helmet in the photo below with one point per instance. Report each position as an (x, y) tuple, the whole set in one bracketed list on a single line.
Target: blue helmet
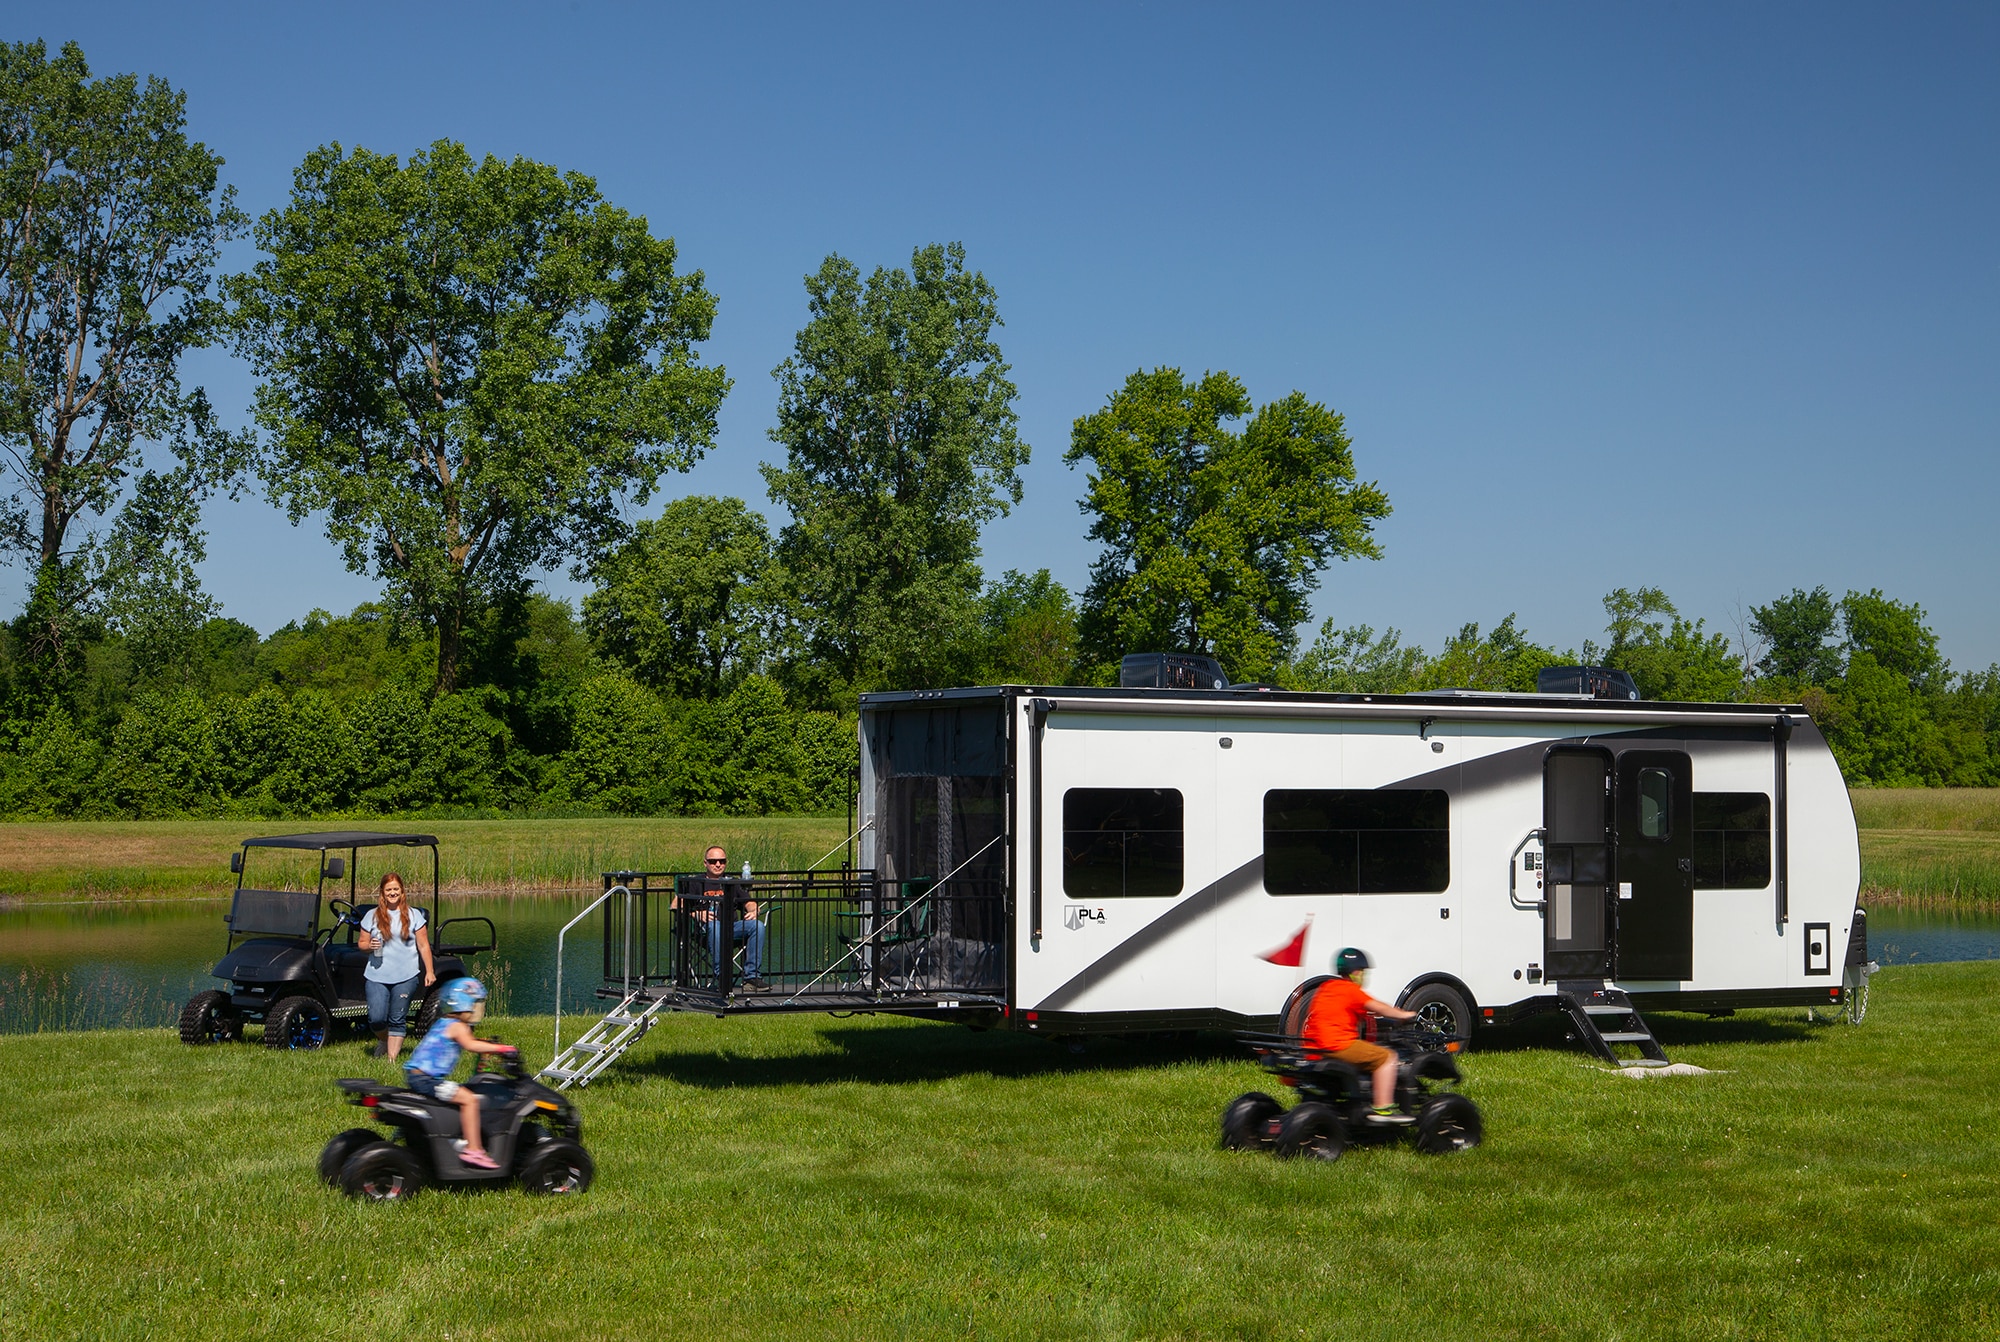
[(462, 995)]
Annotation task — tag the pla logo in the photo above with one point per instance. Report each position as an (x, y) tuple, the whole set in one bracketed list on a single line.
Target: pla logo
[(1074, 917)]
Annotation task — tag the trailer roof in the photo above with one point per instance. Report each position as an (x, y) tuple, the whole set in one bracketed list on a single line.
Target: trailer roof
[(342, 838), (1439, 703)]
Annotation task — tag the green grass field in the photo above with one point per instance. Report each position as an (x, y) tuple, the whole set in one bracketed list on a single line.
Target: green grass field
[(868, 1178), (189, 859)]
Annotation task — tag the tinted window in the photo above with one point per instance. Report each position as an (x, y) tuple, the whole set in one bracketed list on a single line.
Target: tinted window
[(1120, 842), (1656, 791), (1356, 841), (1732, 841)]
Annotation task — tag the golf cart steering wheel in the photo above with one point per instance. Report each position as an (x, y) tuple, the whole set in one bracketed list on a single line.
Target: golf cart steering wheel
[(344, 911)]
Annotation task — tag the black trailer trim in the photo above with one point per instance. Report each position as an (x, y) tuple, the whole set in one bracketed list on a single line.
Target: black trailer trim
[(1781, 735), (1728, 999)]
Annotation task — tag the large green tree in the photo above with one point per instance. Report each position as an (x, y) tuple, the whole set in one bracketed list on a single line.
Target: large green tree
[(683, 603), (898, 423), (1213, 538), (111, 219), (1669, 656), (468, 366), (1796, 629)]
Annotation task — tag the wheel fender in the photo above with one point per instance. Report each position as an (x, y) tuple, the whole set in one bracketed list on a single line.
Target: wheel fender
[(1450, 981)]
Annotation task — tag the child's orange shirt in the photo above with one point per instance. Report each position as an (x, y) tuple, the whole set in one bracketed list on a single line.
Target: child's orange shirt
[(1337, 1011)]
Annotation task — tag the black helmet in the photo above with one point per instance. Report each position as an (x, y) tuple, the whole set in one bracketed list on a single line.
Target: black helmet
[(1350, 960)]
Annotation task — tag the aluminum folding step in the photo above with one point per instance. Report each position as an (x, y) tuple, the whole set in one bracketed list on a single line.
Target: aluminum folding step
[(583, 1060), (1589, 1001)]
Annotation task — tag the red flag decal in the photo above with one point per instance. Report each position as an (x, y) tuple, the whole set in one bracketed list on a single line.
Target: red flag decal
[(1293, 952)]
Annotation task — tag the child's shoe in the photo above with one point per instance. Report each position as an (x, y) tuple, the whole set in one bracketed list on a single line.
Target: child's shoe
[(479, 1160), (1389, 1115)]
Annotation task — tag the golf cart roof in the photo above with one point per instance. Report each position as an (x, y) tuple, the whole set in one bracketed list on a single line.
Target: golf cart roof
[(343, 838)]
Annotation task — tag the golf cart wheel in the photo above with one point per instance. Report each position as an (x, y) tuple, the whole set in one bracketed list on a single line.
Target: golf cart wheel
[(341, 1149), (296, 1022), (427, 1014), (559, 1166), (1448, 1123), (1246, 1122), (1442, 1006), (208, 1019), (1311, 1130), (382, 1172)]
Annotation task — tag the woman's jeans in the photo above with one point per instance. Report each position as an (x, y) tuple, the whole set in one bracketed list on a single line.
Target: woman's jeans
[(389, 1004)]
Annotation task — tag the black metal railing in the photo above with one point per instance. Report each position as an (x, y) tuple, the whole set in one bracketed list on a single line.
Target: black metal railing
[(825, 935)]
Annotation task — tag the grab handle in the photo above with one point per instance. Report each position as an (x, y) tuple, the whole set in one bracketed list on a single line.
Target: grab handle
[(1514, 868)]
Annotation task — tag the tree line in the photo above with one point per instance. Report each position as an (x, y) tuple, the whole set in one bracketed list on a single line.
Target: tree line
[(471, 371)]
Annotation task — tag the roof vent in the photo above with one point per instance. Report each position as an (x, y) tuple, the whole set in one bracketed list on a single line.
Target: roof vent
[(1170, 671), (1599, 682)]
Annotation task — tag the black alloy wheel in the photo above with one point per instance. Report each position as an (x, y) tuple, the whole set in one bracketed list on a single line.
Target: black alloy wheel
[(1448, 1123), (557, 1167), (333, 1159), (382, 1172), (1311, 1130), (296, 1022), (209, 1019), (1246, 1122), (1442, 1006)]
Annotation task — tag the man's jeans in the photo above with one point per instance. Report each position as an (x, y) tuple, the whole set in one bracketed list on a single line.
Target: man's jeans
[(750, 930)]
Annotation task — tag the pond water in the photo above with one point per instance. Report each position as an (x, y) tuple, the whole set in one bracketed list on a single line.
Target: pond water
[(90, 966)]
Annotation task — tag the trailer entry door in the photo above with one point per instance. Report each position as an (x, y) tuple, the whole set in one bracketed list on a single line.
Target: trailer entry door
[(1576, 812), (1655, 871)]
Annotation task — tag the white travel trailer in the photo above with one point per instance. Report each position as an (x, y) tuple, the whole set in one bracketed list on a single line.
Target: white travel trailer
[(1076, 860)]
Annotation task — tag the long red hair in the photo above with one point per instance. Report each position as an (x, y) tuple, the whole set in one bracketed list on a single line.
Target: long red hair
[(381, 892)]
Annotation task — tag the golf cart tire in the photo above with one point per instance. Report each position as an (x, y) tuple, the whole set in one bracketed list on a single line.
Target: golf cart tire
[(557, 1167), (1443, 1006), (1246, 1122), (333, 1159), (1311, 1130), (1448, 1123), (297, 1022), (427, 1014), (382, 1172), (208, 1019)]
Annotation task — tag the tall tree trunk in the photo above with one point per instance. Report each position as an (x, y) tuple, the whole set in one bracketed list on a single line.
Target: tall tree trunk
[(451, 646)]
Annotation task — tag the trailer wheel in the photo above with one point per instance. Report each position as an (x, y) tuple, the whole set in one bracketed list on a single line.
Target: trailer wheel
[(1448, 1123), (1443, 1006), (296, 1022), (382, 1172), (208, 1019), (1312, 1130), (1246, 1122), (334, 1157), (559, 1166)]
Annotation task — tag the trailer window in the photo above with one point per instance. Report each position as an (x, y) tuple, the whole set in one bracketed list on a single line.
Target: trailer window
[(1656, 791), (1732, 841), (1356, 841), (1121, 842)]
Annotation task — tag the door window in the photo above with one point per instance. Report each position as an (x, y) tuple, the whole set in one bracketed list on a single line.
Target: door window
[(1656, 790), (1122, 842)]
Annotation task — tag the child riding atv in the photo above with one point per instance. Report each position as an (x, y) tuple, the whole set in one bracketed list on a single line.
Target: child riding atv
[(1339, 1012), (428, 1071)]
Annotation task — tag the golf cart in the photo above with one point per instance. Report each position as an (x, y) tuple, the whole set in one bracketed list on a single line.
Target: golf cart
[(1335, 1097), (532, 1132), (291, 959)]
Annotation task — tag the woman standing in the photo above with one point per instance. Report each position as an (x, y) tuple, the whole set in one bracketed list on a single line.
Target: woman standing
[(399, 958)]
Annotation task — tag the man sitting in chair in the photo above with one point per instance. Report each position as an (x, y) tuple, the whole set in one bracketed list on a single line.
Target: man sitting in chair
[(712, 908)]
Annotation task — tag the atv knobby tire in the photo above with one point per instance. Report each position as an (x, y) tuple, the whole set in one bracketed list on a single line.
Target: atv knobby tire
[(1246, 1123), (1448, 1123), (558, 1166), (297, 1022), (334, 1157), (1311, 1130), (382, 1172)]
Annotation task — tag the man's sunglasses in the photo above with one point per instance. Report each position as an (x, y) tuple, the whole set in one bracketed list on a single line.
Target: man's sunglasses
[(715, 861)]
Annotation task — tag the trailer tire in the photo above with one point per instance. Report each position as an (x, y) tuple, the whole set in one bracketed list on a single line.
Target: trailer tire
[(297, 1022), (1443, 1006), (1246, 1122), (427, 1014), (382, 1172), (557, 1167), (208, 1019), (1312, 1130), (1292, 1019), (334, 1156), (1448, 1123)]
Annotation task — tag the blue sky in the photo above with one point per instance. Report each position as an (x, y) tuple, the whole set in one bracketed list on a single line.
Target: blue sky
[(1700, 297)]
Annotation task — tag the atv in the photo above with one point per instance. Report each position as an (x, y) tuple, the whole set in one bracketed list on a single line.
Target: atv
[(302, 979), (1335, 1097), (533, 1134)]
